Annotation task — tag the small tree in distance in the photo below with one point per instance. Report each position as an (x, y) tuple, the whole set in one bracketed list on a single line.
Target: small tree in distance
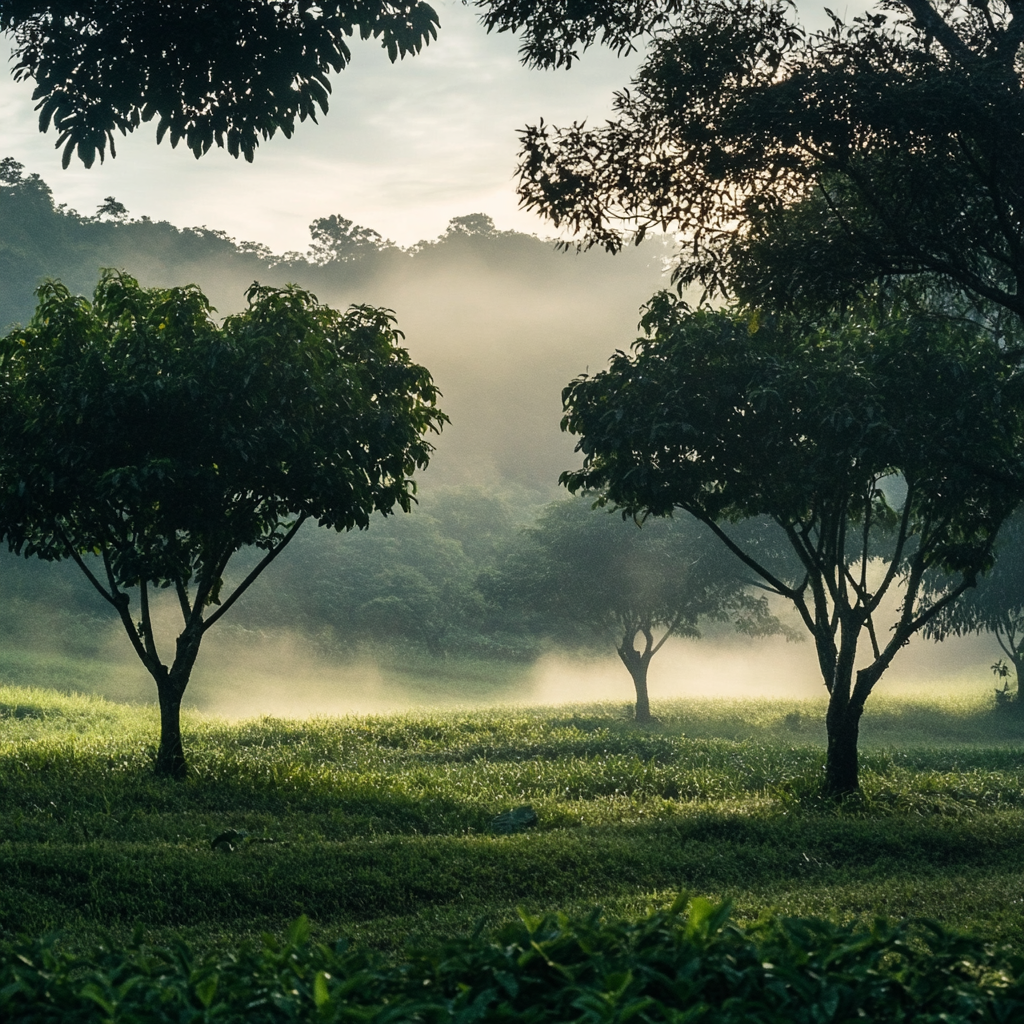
[(590, 575), (995, 606), (138, 431), (894, 443)]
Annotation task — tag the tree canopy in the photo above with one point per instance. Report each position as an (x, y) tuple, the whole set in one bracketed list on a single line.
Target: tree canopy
[(802, 166), (230, 73), (996, 605), (881, 449), (138, 431)]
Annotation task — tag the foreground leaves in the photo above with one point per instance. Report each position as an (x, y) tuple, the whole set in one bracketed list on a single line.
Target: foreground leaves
[(687, 963)]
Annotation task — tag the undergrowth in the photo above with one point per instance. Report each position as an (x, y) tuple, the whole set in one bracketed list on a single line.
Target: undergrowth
[(670, 966)]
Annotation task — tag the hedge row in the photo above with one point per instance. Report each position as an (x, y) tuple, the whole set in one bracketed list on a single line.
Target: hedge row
[(689, 963)]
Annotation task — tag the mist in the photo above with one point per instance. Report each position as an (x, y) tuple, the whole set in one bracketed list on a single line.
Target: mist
[(243, 673), (503, 321)]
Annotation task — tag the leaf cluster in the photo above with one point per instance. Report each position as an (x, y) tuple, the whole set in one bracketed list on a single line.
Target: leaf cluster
[(688, 963), (230, 73), (733, 415), (804, 166), (137, 427)]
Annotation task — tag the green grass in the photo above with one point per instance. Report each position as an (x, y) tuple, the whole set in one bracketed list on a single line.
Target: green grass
[(378, 827)]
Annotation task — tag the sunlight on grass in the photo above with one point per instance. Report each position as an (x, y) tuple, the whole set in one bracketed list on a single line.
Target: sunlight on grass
[(379, 825)]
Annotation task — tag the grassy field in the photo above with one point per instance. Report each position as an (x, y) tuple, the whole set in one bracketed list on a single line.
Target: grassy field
[(380, 827)]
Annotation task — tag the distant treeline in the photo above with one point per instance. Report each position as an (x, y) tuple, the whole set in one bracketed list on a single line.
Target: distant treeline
[(500, 318), (41, 239)]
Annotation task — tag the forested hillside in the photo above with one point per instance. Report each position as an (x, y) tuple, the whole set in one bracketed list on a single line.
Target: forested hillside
[(501, 319)]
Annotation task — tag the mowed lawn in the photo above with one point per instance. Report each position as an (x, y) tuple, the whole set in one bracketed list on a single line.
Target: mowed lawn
[(381, 827)]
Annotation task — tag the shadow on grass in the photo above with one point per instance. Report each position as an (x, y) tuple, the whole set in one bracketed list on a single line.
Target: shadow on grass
[(53, 883)]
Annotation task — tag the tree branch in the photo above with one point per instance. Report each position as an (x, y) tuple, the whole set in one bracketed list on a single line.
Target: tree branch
[(930, 20), (81, 564), (248, 581), (147, 623)]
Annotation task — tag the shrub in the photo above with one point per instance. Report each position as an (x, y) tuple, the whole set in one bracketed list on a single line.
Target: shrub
[(688, 963)]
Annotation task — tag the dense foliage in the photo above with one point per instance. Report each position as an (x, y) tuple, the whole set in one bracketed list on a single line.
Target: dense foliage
[(896, 440), (686, 963), (800, 166), (139, 431), (233, 73)]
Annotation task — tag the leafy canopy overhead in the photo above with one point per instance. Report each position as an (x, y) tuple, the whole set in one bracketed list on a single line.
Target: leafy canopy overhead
[(802, 166), (231, 73)]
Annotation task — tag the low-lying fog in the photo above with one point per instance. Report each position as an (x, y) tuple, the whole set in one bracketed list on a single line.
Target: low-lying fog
[(243, 674), (503, 322)]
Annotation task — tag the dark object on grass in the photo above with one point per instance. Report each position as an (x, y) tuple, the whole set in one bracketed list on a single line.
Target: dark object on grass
[(227, 840), (518, 820)]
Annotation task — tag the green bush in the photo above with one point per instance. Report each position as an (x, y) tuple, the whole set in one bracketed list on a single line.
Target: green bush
[(689, 963)]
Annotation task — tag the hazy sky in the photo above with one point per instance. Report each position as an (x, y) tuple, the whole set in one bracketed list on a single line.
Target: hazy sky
[(403, 149)]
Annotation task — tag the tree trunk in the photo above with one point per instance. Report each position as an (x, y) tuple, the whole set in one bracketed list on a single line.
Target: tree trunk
[(841, 767), (1018, 669), (170, 688), (170, 758), (637, 664)]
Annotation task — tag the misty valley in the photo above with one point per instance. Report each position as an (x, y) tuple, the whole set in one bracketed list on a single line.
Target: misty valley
[(490, 629)]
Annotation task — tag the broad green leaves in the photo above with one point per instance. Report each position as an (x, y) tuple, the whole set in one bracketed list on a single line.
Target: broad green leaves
[(688, 964), (136, 425), (732, 415)]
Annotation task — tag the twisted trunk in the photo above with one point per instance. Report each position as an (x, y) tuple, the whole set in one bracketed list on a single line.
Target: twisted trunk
[(170, 688), (637, 663)]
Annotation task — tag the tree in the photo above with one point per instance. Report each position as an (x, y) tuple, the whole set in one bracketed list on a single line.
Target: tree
[(150, 445), (471, 224), (798, 167), (996, 605), (590, 575), (229, 73), (881, 449), (336, 238), (113, 209)]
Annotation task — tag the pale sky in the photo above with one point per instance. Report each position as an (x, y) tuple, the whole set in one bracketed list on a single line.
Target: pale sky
[(403, 149)]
